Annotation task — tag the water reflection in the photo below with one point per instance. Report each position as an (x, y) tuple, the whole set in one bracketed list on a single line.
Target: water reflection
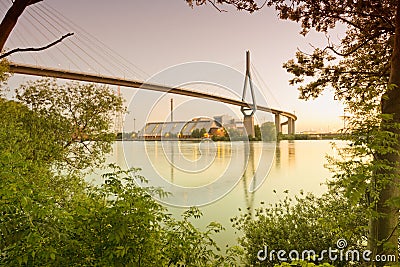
[(253, 160), (292, 152), (290, 145), (278, 156), (249, 173), (198, 173), (298, 165), (172, 164), (212, 161)]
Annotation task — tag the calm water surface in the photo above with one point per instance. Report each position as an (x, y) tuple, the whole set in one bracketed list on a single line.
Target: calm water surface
[(290, 165)]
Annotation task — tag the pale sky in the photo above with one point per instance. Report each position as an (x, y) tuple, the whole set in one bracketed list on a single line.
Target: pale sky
[(157, 34)]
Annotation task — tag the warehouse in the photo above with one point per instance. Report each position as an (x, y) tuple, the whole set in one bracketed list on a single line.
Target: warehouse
[(179, 129)]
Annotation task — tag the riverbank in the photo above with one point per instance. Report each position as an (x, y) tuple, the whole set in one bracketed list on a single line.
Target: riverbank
[(320, 136)]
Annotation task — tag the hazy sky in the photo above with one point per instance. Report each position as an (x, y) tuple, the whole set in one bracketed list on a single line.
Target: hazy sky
[(158, 34)]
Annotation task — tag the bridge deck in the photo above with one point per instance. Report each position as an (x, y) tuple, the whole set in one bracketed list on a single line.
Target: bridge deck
[(87, 77)]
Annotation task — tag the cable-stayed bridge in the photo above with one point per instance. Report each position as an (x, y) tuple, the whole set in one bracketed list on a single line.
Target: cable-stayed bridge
[(83, 52), (87, 77)]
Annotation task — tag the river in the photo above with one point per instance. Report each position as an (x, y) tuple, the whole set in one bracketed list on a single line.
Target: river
[(221, 177)]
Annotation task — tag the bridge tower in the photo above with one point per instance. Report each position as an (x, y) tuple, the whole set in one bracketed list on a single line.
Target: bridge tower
[(248, 112)]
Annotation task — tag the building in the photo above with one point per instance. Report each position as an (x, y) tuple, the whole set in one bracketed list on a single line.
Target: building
[(225, 120), (179, 129)]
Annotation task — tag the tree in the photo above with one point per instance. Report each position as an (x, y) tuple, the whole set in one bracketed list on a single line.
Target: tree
[(10, 20), (233, 134), (364, 71), (248, 5), (203, 131), (268, 131), (51, 220), (84, 116), (257, 132), (31, 195), (50, 217), (195, 133), (198, 133)]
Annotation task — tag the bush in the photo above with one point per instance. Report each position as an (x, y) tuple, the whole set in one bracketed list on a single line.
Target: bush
[(305, 223), (54, 218)]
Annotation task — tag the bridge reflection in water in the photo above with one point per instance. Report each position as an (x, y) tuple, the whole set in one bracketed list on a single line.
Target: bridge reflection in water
[(193, 164), (297, 165)]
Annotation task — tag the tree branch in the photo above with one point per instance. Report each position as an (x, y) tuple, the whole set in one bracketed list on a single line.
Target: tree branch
[(356, 48), (35, 49), (215, 6), (11, 17), (34, 2)]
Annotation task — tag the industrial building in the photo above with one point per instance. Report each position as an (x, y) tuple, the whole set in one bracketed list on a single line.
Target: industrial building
[(180, 129)]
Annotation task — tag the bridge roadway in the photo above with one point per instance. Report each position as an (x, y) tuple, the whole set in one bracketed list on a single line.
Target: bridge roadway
[(80, 76)]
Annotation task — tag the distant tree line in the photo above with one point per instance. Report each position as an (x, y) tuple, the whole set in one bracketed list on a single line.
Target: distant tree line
[(196, 133)]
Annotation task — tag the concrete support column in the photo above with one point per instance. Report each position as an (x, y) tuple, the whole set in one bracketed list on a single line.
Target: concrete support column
[(291, 126), (248, 123), (278, 124)]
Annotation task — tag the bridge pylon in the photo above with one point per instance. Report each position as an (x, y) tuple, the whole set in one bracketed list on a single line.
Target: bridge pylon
[(248, 111)]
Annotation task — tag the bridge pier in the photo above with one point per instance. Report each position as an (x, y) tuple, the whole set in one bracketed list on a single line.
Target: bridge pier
[(291, 126), (248, 123), (278, 124), (294, 126)]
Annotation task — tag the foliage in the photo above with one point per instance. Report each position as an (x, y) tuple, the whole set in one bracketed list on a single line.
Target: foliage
[(84, 114), (54, 218), (357, 67), (264, 133), (302, 264), (196, 133), (30, 194), (4, 74), (184, 245), (363, 69), (132, 136), (362, 175), (305, 223), (235, 135), (293, 136), (122, 225), (248, 5), (257, 132), (268, 131), (117, 224), (216, 138)]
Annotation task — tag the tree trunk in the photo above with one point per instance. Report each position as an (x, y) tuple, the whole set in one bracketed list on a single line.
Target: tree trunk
[(11, 18), (383, 239)]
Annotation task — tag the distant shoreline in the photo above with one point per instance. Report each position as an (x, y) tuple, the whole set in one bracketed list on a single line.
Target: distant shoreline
[(322, 136)]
